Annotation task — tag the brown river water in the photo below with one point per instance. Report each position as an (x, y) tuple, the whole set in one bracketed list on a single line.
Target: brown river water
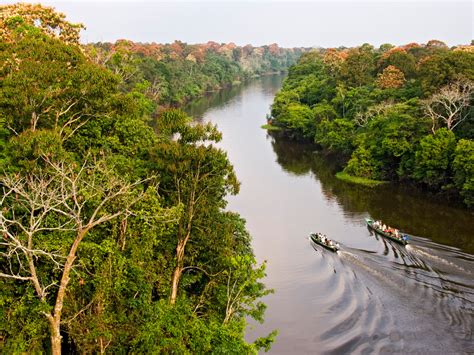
[(372, 296)]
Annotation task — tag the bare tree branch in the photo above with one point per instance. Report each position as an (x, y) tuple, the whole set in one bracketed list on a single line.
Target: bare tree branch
[(51, 203), (451, 105)]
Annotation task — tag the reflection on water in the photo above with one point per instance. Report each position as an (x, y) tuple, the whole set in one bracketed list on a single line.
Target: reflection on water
[(373, 295), (397, 205)]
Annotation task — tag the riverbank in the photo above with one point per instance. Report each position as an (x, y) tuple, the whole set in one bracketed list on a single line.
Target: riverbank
[(358, 180), (172, 74), (388, 120)]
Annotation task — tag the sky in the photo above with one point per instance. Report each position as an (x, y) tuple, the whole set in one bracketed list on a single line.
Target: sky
[(288, 23)]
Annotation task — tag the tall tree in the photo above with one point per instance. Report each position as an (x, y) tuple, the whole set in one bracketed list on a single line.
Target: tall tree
[(359, 66), (451, 105), (44, 218), (391, 78), (198, 176)]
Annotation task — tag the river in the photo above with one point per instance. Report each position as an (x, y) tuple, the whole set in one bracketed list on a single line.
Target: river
[(373, 295)]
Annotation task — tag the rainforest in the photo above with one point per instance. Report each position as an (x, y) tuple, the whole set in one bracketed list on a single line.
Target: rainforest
[(393, 113), (143, 209)]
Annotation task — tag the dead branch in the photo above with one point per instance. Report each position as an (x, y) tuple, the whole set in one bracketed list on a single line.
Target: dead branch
[(451, 105)]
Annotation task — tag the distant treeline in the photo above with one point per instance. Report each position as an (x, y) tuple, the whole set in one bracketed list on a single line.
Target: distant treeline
[(114, 235), (395, 113), (171, 74)]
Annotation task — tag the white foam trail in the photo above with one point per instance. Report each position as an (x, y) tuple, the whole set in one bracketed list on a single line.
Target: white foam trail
[(355, 260), (436, 258)]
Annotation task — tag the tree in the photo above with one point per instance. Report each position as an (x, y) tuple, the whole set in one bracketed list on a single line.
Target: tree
[(399, 58), (197, 176), (436, 44), (297, 117), (44, 218), (433, 158), (451, 105), (44, 18), (463, 166), (364, 117), (336, 135), (362, 164), (443, 68), (359, 67), (390, 139), (391, 78), (49, 84), (243, 288), (334, 60), (282, 100)]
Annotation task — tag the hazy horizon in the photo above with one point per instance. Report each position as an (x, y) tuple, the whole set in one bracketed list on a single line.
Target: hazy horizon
[(290, 24)]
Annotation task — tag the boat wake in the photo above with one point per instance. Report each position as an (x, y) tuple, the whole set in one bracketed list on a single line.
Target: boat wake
[(354, 311), (424, 289), (435, 258)]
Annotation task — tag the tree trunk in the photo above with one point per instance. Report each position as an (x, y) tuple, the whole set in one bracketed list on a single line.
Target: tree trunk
[(34, 120), (174, 286), (182, 241), (55, 320), (55, 337), (178, 270)]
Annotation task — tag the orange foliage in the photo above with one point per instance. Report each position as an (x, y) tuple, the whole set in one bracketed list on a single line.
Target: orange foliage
[(274, 49), (409, 46), (469, 49), (392, 51), (391, 78), (334, 58)]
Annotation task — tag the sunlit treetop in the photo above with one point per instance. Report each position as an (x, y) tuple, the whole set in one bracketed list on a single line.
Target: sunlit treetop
[(13, 19), (410, 46), (469, 49), (434, 43), (391, 78), (392, 51)]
